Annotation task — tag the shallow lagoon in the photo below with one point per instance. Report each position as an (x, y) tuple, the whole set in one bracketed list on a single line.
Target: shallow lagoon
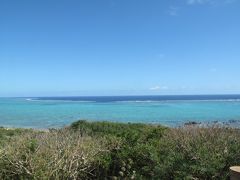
[(58, 112)]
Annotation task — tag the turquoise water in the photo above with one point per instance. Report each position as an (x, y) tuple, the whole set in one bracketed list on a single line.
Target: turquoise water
[(21, 112)]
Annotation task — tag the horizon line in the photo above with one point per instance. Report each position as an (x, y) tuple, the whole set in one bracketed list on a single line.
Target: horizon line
[(217, 94)]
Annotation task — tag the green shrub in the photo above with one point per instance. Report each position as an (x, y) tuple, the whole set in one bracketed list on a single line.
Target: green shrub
[(162, 153), (6, 134), (106, 150), (50, 155)]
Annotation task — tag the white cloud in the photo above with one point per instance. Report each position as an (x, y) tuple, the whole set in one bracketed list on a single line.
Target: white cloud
[(160, 56), (213, 70), (155, 88), (192, 2), (173, 11), (196, 1), (183, 87)]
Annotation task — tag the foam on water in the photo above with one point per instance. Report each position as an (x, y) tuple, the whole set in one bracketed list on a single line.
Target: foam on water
[(166, 110)]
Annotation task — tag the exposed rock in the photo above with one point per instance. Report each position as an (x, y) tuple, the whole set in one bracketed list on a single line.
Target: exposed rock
[(233, 121), (191, 123)]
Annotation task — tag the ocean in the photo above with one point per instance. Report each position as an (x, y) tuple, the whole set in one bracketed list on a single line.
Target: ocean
[(54, 112)]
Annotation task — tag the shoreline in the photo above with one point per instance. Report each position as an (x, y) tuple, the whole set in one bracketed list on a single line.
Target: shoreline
[(230, 124)]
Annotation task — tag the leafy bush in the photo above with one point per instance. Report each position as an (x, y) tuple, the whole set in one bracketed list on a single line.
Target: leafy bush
[(57, 154), (191, 152), (7, 134), (106, 150)]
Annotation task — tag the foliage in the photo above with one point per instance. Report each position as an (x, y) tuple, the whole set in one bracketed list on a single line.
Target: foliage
[(58, 154), (6, 134), (106, 150)]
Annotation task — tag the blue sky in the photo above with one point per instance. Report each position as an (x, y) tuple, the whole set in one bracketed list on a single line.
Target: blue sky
[(119, 47)]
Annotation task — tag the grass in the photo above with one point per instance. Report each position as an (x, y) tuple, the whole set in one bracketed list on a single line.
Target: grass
[(105, 150)]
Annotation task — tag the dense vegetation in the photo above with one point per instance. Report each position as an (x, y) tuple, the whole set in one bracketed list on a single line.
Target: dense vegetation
[(105, 150)]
